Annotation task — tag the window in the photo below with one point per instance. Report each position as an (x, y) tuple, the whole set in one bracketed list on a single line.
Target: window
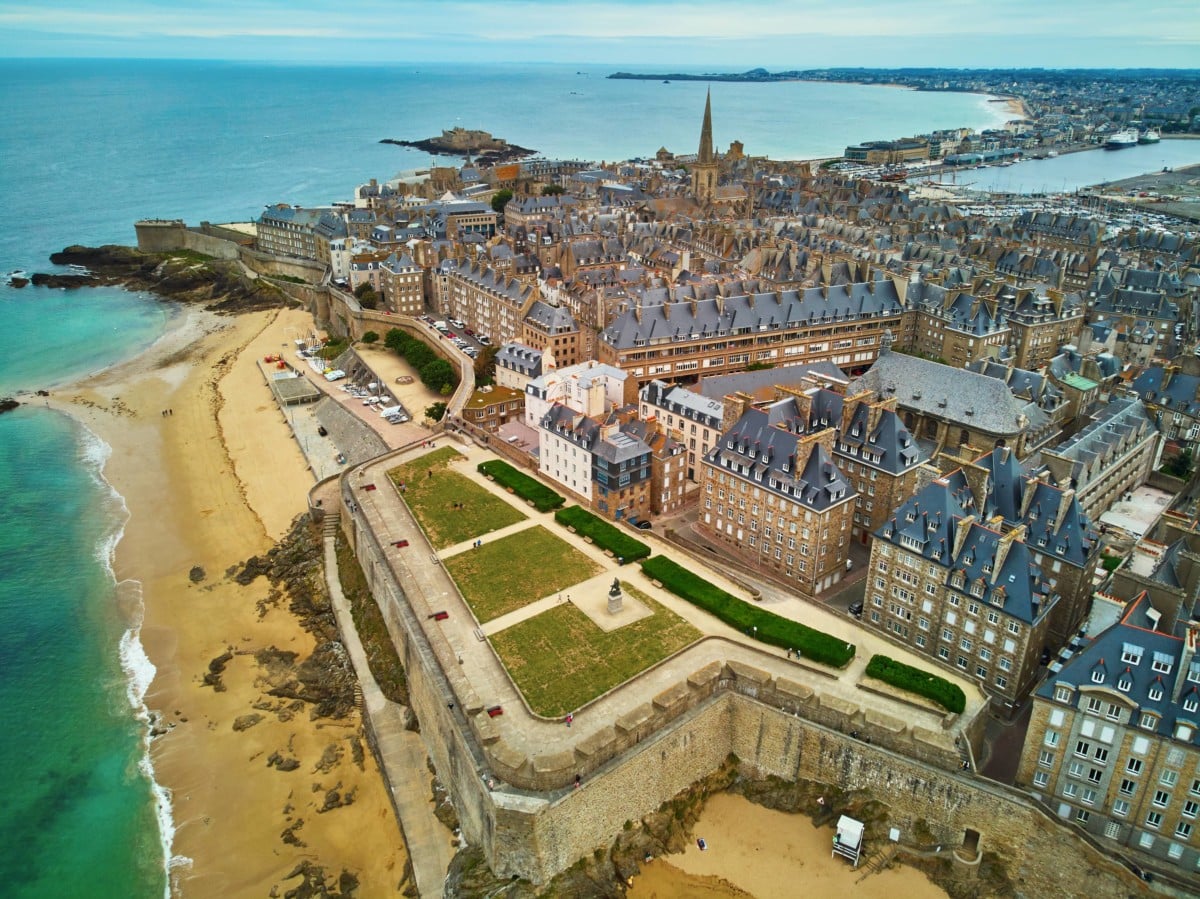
[(1190, 808), (1101, 755), (1094, 705), (1088, 797), (1183, 830), (1134, 766), (1112, 830), (1154, 820), (1062, 694), (1070, 789), (1120, 808), (1083, 816), (1046, 759), (1161, 798), (1128, 787), (1095, 775), (1146, 840), (943, 652), (1169, 778), (1040, 778), (1175, 851), (1148, 721)]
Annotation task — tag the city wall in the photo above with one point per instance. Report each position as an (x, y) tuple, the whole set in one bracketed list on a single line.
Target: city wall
[(534, 824)]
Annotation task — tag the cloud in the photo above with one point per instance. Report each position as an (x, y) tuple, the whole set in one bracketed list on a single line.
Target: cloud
[(920, 32)]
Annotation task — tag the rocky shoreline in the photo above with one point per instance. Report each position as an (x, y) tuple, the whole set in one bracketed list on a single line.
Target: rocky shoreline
[(219, 285), (487, 156)]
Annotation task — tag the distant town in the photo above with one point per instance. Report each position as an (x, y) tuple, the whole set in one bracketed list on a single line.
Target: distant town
[(963, 425)]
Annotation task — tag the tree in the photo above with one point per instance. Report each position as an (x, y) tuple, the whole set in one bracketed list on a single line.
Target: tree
[(368, 298), (370, 337), (435, 412), (485, 366), (553, 190), (500, 199)]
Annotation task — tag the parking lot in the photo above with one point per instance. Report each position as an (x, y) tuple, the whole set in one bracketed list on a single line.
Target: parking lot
[(460, 334)]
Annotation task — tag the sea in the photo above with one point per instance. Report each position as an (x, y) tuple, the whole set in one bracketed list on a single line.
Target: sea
[(90, 146)]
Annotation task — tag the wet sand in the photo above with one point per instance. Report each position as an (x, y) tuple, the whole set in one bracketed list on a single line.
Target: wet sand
[(755, 851), (215, 482)]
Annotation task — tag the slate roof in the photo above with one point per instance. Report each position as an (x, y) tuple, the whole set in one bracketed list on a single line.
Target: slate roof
[(551, 319), (760, 447), (1178, 393), (953, 394), (927, 523), (1118, 424), (1124, 657), (520, 358), (1054, 526), (681, 401), (750, 382), (748, 313)]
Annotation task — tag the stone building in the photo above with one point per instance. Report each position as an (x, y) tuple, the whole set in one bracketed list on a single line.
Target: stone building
[(548, 327), (705, 169), (1114, 737), (403, 283), (674, 336), (1052, 522), (947, 583), (489, 302), (771, 494), (517, 365), (955, 408), (493, 406), (285, 230), (694, 420), (1115, 452), (1172, 399)]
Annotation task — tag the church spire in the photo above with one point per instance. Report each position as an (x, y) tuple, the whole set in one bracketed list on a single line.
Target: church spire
[(706, 145)]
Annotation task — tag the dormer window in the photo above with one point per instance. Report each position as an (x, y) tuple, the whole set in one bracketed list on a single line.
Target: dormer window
[(1098, 676), (1125, 683), (1155, 693), (1190, 704), (1162, 663), (1193, 674), (1131, 654)]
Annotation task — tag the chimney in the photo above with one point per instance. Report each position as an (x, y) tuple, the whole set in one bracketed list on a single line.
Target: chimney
[(977, 477), (735, 405), (961, 529), (1005, 544), (1064, 503), (1185, 658)]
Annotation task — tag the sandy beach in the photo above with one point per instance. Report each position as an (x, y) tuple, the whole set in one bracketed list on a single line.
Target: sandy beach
[(754, 851), (218, 480)]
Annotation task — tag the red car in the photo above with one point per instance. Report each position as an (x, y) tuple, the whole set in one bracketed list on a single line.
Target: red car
[(450, 335)]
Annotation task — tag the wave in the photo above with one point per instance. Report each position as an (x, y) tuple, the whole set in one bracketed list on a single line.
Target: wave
[(139, 671)]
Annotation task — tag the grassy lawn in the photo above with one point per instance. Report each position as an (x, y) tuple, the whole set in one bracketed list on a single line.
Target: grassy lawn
[(560, 660), (513, 571), (432, 489)]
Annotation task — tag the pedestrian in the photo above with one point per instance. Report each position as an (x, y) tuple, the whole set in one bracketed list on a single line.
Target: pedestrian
[(570, 718), (577, 779)]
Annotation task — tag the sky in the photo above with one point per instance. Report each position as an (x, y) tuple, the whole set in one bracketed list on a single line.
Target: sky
[(724, 35)]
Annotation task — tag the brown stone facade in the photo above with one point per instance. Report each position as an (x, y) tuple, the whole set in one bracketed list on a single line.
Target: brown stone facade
[(772, 532)]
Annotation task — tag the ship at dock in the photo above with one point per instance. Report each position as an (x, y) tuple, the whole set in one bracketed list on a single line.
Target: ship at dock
[(1122, 139), (1149, 136)]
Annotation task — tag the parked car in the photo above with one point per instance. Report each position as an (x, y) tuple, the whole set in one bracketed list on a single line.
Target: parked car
[(856, 609), (484, 339), (458, 323), (642, 525)]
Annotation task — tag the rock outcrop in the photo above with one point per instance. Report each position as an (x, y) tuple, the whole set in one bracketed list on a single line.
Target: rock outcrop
[(219, 285)]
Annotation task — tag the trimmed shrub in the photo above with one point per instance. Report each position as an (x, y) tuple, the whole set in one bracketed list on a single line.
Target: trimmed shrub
[(771, 628), (543, 498), (603, 534), (949, 696)]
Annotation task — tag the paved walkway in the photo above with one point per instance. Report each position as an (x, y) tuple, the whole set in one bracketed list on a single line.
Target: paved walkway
[(402, 753), (429, 588)]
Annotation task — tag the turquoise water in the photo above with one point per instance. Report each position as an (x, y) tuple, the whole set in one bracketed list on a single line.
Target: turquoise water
[(77, 817), (87, 148)]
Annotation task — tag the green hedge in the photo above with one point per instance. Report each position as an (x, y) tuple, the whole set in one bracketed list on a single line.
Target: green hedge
[(603, 534), (543, 498), (949, 696), (773, 629)]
